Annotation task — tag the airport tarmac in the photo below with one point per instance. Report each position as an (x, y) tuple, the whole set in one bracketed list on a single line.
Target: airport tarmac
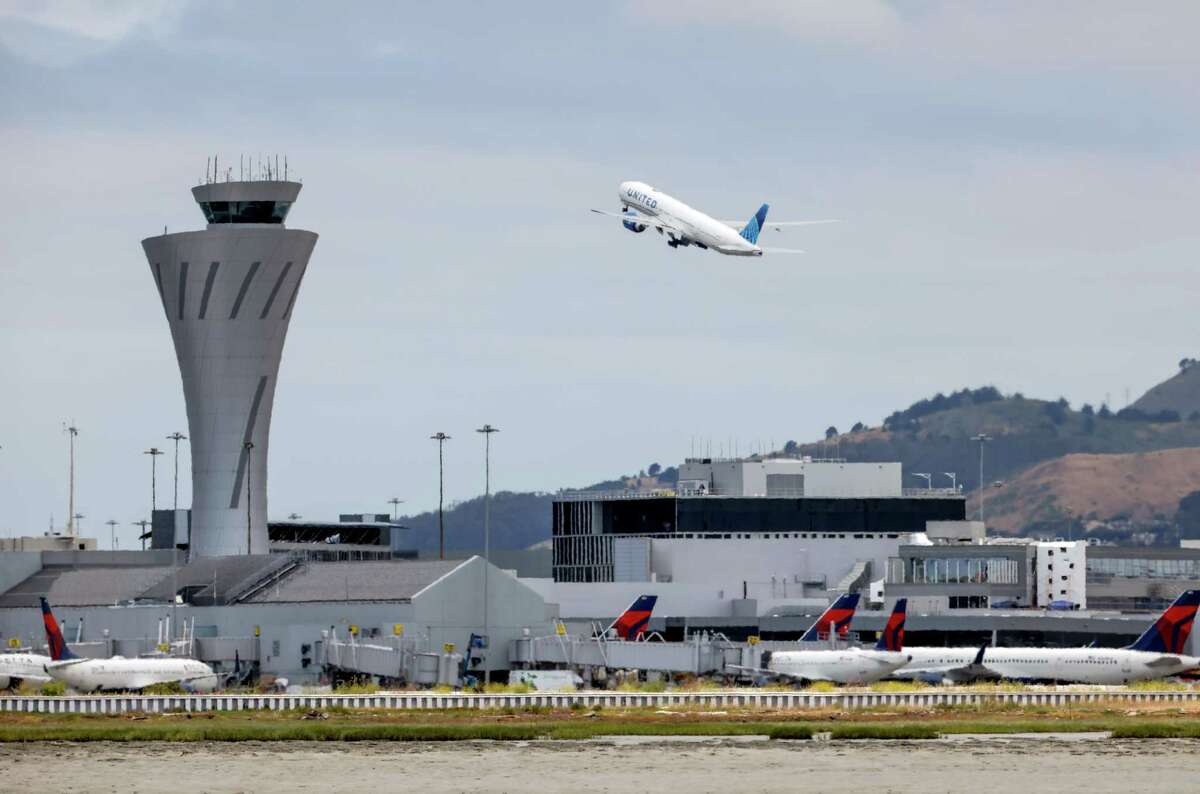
[(982, 765)]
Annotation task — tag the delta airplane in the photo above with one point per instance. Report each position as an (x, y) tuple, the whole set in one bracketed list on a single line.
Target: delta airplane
[(18, 667), (642, 206), (844, 666), (1158, 653), (632, 623), (119, 673)]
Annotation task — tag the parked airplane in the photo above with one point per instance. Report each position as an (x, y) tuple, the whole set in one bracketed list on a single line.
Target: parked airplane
[(119, 673), (632, 623), (845, 666), (834, 620), (18, 667), (1158, 653), (643, 206)]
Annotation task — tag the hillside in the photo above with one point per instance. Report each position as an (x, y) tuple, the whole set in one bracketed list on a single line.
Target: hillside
[(1024, 433), (1179, 394), (1095, 494)]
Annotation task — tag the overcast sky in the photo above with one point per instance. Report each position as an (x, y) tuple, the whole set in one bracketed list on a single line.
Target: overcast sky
[(1019, 185)]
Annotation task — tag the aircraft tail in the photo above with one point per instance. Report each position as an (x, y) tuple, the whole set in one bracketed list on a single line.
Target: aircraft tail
[(54, 636), (754, 225), (892, 636), (834, 619), (1170, 632), (633, 621)]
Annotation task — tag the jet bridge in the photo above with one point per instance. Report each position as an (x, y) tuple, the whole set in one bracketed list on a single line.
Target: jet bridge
[(701, 654)]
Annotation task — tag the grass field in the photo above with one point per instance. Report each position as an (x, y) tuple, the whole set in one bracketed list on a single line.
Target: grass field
[(344, 725)]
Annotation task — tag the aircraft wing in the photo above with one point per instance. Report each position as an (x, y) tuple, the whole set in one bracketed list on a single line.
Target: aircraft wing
[(641, 220), (975, 671), (65, 663)]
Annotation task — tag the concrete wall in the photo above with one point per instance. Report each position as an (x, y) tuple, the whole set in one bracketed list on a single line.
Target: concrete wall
[(821, 479), (17, 566)]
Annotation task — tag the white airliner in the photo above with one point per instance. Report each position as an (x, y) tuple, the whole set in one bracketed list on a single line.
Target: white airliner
[(1158, 653), (119, 673), (18, 667), (642, 206), (845, 666)]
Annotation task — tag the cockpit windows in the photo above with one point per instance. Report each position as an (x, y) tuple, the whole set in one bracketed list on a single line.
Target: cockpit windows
[(245, 211)]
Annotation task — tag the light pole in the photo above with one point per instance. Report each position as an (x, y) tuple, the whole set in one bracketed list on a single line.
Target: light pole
[(143, 524), (487, 431), (982, 438), (441, 438), (395, 502), (72, 431), (248, 446), (928, 478), (953, 479), (112, 531), (153, 452), (78, 516), (177, 437)]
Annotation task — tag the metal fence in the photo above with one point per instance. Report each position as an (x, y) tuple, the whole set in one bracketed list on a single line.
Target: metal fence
[(155, 704)]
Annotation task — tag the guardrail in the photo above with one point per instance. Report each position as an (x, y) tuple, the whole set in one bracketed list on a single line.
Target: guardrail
[(156, 704)]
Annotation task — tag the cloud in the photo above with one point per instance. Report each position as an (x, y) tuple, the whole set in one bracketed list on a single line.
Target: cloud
[(67, 32), (952, 34)]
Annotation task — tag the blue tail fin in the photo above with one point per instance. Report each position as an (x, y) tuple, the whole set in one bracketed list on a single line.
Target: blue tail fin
[(54, 636), (892, 636), (835, 619), (754, 225), (1170, 632)]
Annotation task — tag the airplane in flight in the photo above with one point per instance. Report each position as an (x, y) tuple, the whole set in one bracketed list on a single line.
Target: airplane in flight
[(18, 667), (841, 666), (119, 673), (1158, 653), (632, 623), (644, 207)]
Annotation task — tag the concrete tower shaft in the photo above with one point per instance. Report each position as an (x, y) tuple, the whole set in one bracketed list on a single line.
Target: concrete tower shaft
[(228, 293)]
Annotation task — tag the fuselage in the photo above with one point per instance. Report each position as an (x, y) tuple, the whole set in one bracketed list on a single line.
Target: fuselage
[(1070, 665), (117, 673), (846, 666), (696, 227), (18, 667)]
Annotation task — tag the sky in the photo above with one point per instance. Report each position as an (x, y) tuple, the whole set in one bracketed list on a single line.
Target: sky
[(1017, 184)]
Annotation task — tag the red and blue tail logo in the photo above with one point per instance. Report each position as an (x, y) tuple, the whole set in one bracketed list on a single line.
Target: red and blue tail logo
[(835, 619), (1170, 632), (54, 636), (892, 637), (633, 621)]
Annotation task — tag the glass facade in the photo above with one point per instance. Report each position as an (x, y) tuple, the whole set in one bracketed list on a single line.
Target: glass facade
[(956, 570), (1142, 568), (245, 211)]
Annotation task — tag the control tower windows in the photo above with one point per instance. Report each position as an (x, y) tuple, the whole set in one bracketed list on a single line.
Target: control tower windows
[(245, 211)]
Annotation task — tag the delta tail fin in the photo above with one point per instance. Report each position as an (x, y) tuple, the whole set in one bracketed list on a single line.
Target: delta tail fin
[(754, 225), (633, 621), (54, 636), (834, 619), (892, 636), (1170, 632)]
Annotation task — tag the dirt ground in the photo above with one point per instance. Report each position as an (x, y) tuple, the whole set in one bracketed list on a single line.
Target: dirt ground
[(993, 764)]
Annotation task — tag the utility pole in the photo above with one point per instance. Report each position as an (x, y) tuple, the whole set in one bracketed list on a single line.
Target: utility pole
[(441, 438), (982, 438), (143, 524), (249, 447), (112, 531), (395, 502), (487, 431), (177, 437), (72, 431)]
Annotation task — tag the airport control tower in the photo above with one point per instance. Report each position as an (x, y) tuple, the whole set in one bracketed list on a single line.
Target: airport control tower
[(229, 292)]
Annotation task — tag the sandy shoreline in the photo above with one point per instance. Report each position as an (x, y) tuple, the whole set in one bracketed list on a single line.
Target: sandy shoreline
[(982, 766)]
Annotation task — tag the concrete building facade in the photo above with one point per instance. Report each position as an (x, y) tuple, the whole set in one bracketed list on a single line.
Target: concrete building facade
[(228, 293)]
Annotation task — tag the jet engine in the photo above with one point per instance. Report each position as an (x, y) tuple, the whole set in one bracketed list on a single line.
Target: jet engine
[(636, 228)]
